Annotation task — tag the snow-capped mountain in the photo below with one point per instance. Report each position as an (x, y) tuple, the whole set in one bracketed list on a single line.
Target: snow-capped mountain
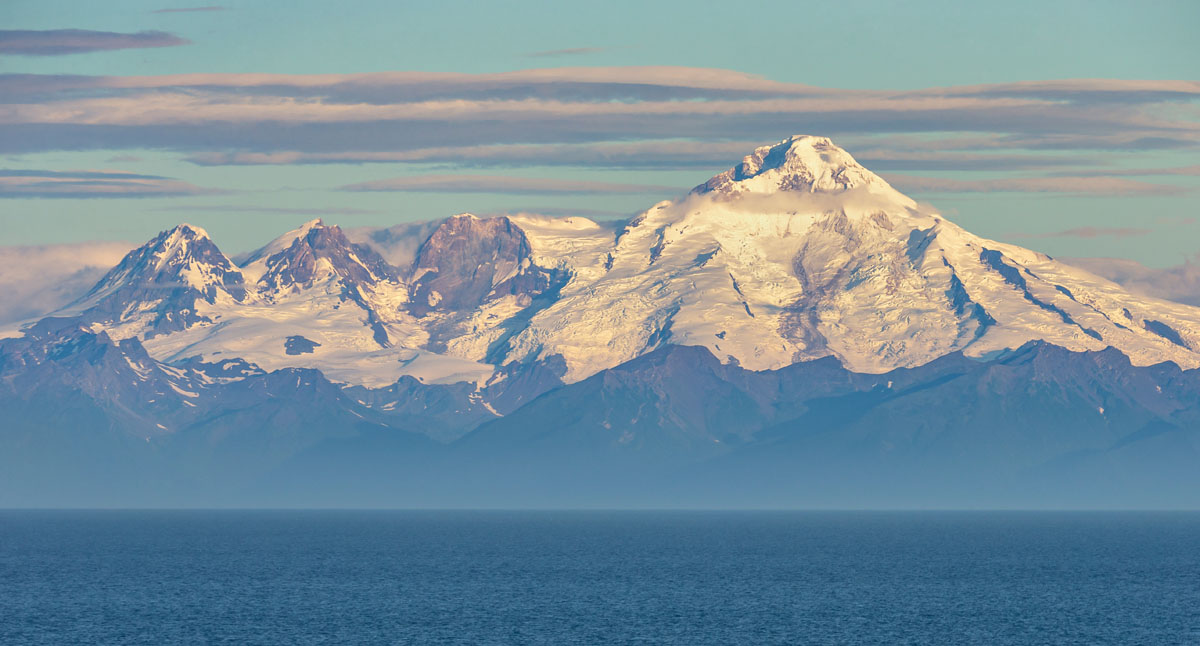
[(777, 336), (795, 254), (161, 286), (799, 253)]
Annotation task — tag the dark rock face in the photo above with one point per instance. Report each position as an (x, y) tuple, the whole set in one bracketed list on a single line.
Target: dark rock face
[(297, 344), (297, 265), (167, 275), (469, 261)]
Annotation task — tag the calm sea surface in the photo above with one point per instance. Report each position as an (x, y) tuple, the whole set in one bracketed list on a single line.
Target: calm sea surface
[(281, 577)]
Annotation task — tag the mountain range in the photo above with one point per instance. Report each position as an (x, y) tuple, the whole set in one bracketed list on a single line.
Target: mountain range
[(792, 332)]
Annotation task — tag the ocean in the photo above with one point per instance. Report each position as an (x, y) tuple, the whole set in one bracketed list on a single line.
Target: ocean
[(598, 577)]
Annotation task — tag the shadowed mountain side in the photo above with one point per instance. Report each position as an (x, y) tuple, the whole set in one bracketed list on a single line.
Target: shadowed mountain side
[(1038, 427), (93, 422), (90, 421), (1041, 427)]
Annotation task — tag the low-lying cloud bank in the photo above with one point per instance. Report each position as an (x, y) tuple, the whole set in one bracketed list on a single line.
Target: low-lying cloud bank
[(1179, 283), (37, 280)]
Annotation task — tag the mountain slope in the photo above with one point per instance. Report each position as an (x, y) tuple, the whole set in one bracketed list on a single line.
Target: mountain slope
[(800, 253), (795, 254), (1038, 426), (313, 299), (160, 287)]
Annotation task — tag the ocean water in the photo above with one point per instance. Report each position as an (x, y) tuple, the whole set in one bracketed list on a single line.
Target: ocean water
[(392, 577)]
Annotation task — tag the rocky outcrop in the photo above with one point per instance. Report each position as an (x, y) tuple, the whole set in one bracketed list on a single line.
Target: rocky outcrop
[(320, 251), (469, 261)]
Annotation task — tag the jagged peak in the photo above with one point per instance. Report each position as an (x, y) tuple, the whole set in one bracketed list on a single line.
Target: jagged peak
[(190, 230), (256, 262), (183, 242), (168, 253), (316, 248), (798, 164), (167, 274)]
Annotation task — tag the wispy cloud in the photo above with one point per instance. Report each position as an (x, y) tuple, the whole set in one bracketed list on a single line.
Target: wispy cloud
[(1087, 232), (644, 154), (631, 118), (92, 184), (651, 155), (1114, 186), (59, 42), (504, 184), (561, 211), (190, 9), (885, 160), (573, 51), (283, 210), (372, 112), (1193, 171)]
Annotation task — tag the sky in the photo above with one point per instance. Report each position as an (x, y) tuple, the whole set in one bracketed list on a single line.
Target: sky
[(1068, 127)]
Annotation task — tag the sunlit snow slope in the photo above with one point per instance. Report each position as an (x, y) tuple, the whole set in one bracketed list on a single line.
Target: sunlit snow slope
[(796, 253)]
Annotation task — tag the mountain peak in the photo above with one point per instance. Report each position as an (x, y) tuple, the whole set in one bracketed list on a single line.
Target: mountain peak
[(160, 282), (184, 255), (319, 250), (469, 260), (190, 230), (798, 164)]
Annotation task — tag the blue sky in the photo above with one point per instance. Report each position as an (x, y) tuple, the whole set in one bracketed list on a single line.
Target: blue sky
[(936, 96)]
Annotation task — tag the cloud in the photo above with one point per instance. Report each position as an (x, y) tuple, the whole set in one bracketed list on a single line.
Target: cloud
[(398, 112), (632, 118), (574, 51), (1113, 186), (1180, 283), (1141, 172), (40, 279), (504, 184), (238, 208), (560, 212), (977, 142), (191, 9), (59, 42), (649, 155), (640, 155), (1087, 232), (92, 184), (885, 160), (397, 244)]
